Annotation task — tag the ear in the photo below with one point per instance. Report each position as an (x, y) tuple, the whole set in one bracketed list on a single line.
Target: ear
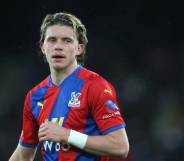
[(81, 48), (42, 48)]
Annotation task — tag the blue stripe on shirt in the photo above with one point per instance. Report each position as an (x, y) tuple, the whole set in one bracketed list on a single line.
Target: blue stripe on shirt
[(113, 129)]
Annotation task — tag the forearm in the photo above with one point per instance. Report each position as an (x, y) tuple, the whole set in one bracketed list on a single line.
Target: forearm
[(18, 157), (103, 145), (112, 144), (23, 154), (15, 157)]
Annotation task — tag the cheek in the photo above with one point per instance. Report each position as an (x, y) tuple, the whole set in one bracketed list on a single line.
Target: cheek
[(71, 50), (47, 53), (47, 49), (74, 50)]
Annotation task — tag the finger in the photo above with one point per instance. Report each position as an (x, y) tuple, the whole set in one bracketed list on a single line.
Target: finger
[(43, 138), (41, 133), (46, 120), (42, 130), (43, 125)]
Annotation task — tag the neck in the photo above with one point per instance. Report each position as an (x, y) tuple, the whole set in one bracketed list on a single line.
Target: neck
[(58, 76)]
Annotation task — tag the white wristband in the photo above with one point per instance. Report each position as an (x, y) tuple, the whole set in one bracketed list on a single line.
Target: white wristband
[(77, 139)]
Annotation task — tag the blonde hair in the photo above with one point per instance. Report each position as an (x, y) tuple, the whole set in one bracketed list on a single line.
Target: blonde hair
[(67, 19)]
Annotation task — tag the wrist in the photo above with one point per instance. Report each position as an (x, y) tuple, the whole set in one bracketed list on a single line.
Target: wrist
[(77, 139), (64, 135)]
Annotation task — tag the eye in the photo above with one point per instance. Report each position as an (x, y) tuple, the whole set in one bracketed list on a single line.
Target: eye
[(51, 39), (67, 40)]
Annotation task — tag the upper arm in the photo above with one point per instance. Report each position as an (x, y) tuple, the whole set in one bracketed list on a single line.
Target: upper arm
[(29, 135), (106, 113), (28, 142), (104, 106), (23, 154)]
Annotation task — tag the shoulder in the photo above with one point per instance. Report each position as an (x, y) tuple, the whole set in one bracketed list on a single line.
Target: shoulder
[(88, 75), (94, 80), (39, 86)]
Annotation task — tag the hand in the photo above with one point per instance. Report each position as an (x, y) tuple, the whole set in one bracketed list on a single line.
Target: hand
[(52, 132)]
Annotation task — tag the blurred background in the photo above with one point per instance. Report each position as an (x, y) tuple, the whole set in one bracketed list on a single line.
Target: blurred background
[(137, 45)]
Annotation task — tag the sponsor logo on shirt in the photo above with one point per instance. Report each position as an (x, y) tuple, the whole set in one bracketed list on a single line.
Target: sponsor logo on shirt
[(108, 91), (41, 104), (111, 106), (112, 110), (109, 115), (53, 146), (60, 120), (74, 101)]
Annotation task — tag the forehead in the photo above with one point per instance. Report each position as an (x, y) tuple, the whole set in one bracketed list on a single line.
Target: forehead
[(60, 31)]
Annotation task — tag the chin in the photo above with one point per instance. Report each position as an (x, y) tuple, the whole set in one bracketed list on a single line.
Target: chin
[(60, 66)]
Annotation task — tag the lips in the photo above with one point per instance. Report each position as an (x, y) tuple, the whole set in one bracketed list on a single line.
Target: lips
[(58, 56)]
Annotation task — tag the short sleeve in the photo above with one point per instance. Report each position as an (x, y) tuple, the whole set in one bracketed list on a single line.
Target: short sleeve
[(104, 106), (29, 135)]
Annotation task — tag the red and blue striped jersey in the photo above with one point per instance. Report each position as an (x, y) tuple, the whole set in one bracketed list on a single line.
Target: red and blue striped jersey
[(84, 102)]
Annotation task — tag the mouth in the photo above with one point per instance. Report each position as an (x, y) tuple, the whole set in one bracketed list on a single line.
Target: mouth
[(58, 57)]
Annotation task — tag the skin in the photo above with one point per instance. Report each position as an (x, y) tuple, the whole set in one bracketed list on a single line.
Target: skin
[(23, 154), (61, 48), (112, 144)]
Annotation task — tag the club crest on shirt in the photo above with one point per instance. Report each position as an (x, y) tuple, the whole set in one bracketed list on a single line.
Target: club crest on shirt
[(74, 101)]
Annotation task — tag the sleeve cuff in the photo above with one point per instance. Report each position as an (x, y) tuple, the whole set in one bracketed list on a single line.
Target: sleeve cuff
[(113, 129), (27, 145)]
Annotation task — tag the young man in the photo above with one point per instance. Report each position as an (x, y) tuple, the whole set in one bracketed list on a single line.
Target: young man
[(74, 111)]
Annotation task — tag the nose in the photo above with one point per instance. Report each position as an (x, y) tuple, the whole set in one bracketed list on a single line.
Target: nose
[(58, 45)]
